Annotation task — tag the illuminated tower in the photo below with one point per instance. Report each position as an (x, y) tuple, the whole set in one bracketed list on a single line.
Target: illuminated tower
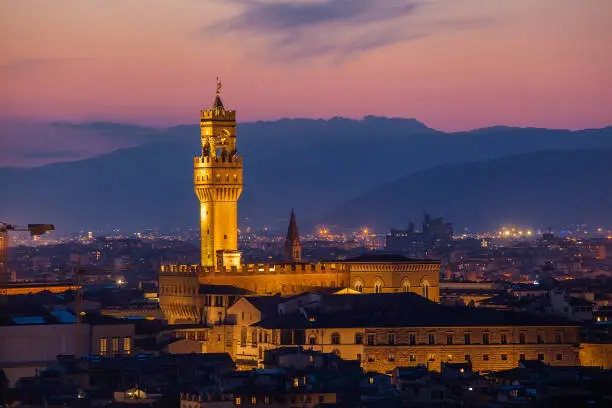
[(218, 184), (293, 248)]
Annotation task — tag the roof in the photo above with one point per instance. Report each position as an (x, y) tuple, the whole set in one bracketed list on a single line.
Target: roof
[(267, 305), (401, 310), (377, 258), (218, 104), (222, 290)]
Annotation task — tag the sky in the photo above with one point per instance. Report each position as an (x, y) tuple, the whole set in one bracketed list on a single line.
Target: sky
[(451, 64)]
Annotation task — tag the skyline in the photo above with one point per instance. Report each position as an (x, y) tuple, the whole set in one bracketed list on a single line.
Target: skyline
[(520, 64)]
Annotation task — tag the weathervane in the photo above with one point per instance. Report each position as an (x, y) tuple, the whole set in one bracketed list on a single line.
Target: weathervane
[(218, 85)]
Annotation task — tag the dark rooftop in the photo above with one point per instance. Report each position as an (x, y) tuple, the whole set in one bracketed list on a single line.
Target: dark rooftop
[(401, 310), (386, 258)]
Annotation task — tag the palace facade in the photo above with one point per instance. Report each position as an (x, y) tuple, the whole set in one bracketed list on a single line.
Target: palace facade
[(218, 184)]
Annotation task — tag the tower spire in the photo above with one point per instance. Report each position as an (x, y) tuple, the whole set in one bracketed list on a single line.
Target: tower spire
[(218, 103), (293, 247)]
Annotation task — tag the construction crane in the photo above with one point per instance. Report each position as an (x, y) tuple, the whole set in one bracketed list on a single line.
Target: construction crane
[(33, 229)]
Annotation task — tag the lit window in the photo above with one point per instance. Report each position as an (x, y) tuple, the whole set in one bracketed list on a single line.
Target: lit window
[(115, 345), (127, 345), (253, 400), (238, 401), (266, 400), (103, 342)]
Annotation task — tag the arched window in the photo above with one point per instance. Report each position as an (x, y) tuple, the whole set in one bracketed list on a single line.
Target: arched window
[(359, 287), (358, 338), (406, 286), (312, 340), (378, 287), (425, 290), (335, 338)]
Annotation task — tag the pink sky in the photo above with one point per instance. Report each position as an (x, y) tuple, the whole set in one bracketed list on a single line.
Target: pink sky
[(452, 64)]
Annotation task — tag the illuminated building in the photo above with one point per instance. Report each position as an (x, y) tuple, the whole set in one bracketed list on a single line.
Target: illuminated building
[(218, 185)]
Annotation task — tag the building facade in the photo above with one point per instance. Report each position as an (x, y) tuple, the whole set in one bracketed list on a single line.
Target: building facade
[(218, 185)]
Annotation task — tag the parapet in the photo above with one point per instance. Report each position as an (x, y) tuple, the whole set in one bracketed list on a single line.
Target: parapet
[(256, 269), (235, 161), (218, 114)]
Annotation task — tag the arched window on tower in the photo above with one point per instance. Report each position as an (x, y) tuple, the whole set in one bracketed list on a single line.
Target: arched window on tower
[(425, 290), (378, 287), (406, 286)]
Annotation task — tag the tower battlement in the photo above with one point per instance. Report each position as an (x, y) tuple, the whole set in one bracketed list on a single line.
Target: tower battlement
[(229, 161), (220, 114)]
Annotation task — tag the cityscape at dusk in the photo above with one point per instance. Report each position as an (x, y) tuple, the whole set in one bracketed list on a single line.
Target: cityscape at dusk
[(306, 204)]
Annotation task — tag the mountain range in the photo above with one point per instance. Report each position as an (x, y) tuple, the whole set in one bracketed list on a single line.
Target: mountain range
[(376, 171)]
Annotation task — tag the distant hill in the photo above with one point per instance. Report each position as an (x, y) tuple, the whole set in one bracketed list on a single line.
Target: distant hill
[(535, 189), (311, 165)]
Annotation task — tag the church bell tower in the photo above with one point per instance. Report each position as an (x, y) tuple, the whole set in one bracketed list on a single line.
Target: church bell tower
[(218, 185)]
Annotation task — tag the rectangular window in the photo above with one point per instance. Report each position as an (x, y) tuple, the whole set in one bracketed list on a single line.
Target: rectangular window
[(522, 357), (413, 357), (127, 345), (485, 338), (485, 357), (504, 338), (541, 357), (431, 338), (103, 342), (371, 340), (115, 345), (254, 338), (243, 337), (449, 339), (504, 357), (412, 339), (467, 338), (468, 357), (540, 337), (392, 339), (559, 357), (558, 338), (522, 338)]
